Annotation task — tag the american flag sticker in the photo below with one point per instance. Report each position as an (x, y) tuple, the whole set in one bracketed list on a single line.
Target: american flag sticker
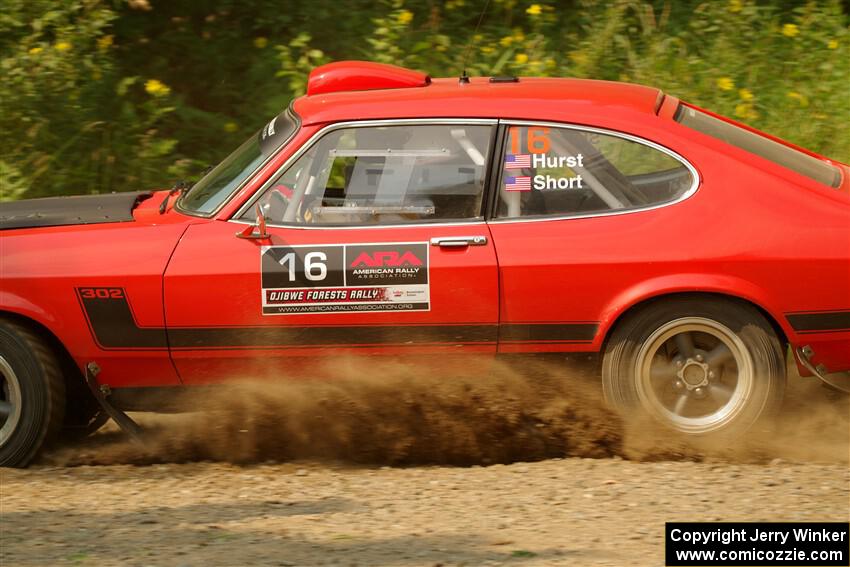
[(518, 161), (518, 183)]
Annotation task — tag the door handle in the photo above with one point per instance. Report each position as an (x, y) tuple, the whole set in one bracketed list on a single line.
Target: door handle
[(458, 241)]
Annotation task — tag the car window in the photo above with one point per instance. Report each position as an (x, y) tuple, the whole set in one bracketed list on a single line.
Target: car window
[(568, 171), (217, 185), (778, 153), (383, 175)]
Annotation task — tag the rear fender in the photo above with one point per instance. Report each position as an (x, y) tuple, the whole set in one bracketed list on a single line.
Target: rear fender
[(720, 284)]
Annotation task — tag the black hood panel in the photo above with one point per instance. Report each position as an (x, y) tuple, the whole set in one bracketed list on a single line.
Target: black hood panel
[(62, 211)]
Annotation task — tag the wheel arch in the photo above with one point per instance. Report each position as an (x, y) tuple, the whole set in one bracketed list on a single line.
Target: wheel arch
[(610, 324), (76, 389)]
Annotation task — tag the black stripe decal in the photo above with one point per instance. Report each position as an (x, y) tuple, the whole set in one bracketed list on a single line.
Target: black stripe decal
[(114, 326), (263, 337), (819, 321), (548, 332)]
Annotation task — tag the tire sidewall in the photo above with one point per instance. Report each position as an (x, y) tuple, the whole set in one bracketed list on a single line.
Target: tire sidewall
[(35, 401)]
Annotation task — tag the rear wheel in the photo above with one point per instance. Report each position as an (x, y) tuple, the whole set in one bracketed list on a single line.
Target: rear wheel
[(701, 367), (31, 394)]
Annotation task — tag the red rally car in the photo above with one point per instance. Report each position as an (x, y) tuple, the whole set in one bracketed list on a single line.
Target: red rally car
[(386, 213)]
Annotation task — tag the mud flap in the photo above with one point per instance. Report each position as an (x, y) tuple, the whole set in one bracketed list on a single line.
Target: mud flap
[(838, 380), (101, 393)]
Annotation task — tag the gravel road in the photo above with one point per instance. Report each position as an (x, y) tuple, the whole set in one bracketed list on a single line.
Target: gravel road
[(555, 512), (85, 505)]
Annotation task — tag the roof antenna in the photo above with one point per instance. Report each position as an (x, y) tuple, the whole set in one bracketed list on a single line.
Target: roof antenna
[(464, 78)]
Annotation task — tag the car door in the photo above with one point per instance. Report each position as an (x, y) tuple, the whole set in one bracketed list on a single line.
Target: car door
[(376, 245)]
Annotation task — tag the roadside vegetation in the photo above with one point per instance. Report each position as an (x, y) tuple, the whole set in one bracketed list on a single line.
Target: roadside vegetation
[(117, 95)]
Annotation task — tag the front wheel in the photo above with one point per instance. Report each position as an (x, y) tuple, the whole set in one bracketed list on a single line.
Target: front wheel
[(32, 394), (700, 367)]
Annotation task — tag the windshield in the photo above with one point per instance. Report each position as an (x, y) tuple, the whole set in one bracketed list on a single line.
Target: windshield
[(222, 181)]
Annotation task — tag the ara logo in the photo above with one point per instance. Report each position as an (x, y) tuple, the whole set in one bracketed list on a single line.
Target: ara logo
[(386, 258)]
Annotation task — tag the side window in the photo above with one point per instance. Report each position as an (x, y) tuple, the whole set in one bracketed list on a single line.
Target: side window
[(566, 171), (383, 175)]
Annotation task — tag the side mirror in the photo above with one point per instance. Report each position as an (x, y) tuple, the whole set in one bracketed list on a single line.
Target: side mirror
[(256, 231)]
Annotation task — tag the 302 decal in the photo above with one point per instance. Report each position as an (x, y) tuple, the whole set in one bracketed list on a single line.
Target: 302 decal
[(101, 292)]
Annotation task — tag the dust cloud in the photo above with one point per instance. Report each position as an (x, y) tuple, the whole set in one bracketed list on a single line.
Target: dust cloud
[(384, 413), (365, 412), (813, 425)]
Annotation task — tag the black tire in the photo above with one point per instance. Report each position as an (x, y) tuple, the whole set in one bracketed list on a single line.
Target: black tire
[(32, 383), (663, 361)]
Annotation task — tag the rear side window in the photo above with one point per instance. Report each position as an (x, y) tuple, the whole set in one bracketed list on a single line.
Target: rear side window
[(780, 154), (551, 171)]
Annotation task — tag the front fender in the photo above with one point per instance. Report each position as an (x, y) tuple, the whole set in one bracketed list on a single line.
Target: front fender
[(16, 305)]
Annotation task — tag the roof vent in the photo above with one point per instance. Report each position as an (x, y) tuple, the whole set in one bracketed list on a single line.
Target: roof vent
[(362, 76)]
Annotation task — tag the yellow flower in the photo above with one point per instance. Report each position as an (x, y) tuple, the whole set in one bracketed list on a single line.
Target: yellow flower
[(735, 5), (404, 17), (260, 42), (521, 58), (742, 110), (799, 98), (36, 50), (725, 84), (519, 36), (550, 63), (62, 46), (534, 10), (156, 88), (833, 44), (506, 41), (105, 42), (487, 49), (230, 127), (790, 30), (579, 58), (745, 94)]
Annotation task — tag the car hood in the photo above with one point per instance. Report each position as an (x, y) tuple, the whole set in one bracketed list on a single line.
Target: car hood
[(61, 211)]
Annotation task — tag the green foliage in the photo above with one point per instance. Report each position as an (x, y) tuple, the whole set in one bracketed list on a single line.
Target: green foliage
[(69, 122), (108, 95)]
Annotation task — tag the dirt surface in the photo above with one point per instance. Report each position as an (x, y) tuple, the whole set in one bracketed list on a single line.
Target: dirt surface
[(299, 475), (555, 512)]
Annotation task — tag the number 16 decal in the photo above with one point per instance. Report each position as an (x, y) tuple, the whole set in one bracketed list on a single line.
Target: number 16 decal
[(315, 267), (537, 140)]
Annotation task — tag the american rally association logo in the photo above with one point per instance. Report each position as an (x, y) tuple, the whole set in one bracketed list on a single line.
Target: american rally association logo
[(397, 263)]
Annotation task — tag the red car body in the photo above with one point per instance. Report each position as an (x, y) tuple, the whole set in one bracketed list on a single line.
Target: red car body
[(173, 299)]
